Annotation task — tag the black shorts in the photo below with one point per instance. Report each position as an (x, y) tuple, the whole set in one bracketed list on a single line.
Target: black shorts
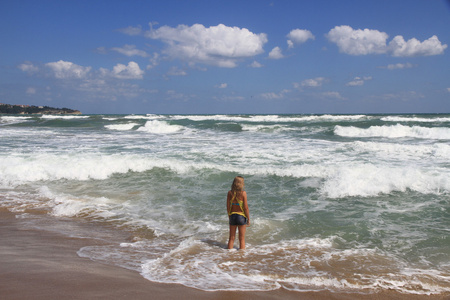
[(237, 220)]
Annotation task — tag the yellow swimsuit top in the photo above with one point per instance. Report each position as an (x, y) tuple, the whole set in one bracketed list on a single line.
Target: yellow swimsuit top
[(241, 205)]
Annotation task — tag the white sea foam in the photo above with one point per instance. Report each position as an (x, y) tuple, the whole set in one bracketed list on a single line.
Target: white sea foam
[(265, 128), (145, 117), (309, 264), (370, 180), (8, 120), (340, 179), (22, 169), (63, 205), (121, 127), (159, 127), (402, 152), (270, 118), (394, 131), (415, 119)]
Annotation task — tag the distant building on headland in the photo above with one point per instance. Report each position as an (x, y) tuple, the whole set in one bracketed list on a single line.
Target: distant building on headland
[(19, 109)]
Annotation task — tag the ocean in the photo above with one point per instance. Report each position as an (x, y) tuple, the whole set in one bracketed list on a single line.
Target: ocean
[(344, 203)]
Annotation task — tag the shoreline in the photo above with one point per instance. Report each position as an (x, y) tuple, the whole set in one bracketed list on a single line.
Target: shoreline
[(39, 264)]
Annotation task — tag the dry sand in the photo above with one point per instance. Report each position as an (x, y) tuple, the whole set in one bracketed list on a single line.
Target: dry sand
[(37, 264)]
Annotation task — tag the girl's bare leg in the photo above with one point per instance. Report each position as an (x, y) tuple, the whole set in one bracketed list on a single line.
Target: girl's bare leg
[(242, 229), (232, 236)]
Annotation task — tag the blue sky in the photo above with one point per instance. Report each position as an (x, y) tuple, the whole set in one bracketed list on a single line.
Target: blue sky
[(270, 57)]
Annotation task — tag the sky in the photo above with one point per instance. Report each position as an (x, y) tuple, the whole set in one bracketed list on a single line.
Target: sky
[(227, 57)]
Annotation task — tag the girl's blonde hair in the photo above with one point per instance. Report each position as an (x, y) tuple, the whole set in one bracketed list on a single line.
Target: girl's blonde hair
[(238, 184)]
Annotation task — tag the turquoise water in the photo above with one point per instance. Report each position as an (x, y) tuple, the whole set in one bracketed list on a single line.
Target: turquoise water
[(338, 202)]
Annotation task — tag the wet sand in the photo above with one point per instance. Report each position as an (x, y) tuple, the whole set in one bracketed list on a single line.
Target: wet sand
[(36, 264)]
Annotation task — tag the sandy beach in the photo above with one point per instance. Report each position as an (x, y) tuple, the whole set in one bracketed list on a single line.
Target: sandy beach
[(36, 264)]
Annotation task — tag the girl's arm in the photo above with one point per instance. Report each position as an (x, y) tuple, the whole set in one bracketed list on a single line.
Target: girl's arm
[(228, 201), (246, 210)]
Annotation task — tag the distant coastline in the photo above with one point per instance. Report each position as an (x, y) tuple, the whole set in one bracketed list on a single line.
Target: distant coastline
[(33, 110)]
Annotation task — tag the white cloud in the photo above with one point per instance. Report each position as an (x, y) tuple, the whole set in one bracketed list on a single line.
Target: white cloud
[(120, 71), (276, 53), (335, 95), (358, 42), (229, 98), (105, 90), (448, 90), (174, 71), (358, 81), (219, 45), (299, 36), (174, 95), (368, 41), (413, 47), (313, 82), (154, 61), (130, 30), (398, 66), (65, 70), (222, 85), (28, 67), (130, 50), (256, 64), (274, 96)]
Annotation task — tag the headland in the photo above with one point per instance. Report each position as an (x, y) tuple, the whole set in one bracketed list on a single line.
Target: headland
[(17, 109)]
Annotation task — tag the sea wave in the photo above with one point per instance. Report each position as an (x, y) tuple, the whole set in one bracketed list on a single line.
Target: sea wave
[(159, 127), (9, 120), (65, 117), (122, 127), (416, 119), (299, 265), (394, 131), (338, 179), (270, 118)]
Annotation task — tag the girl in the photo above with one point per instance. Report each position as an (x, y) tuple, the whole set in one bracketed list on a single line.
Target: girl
[(238, 212)]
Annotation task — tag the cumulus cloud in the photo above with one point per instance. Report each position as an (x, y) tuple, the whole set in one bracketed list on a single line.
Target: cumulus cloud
[(130, 50), (413, 47), (368, 41), (256, 64), (276, 53), (65, 70), (358, 42), (358, 81), (312, 82), (299, 36), (219, 45), (28, 67), (120, 71)]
